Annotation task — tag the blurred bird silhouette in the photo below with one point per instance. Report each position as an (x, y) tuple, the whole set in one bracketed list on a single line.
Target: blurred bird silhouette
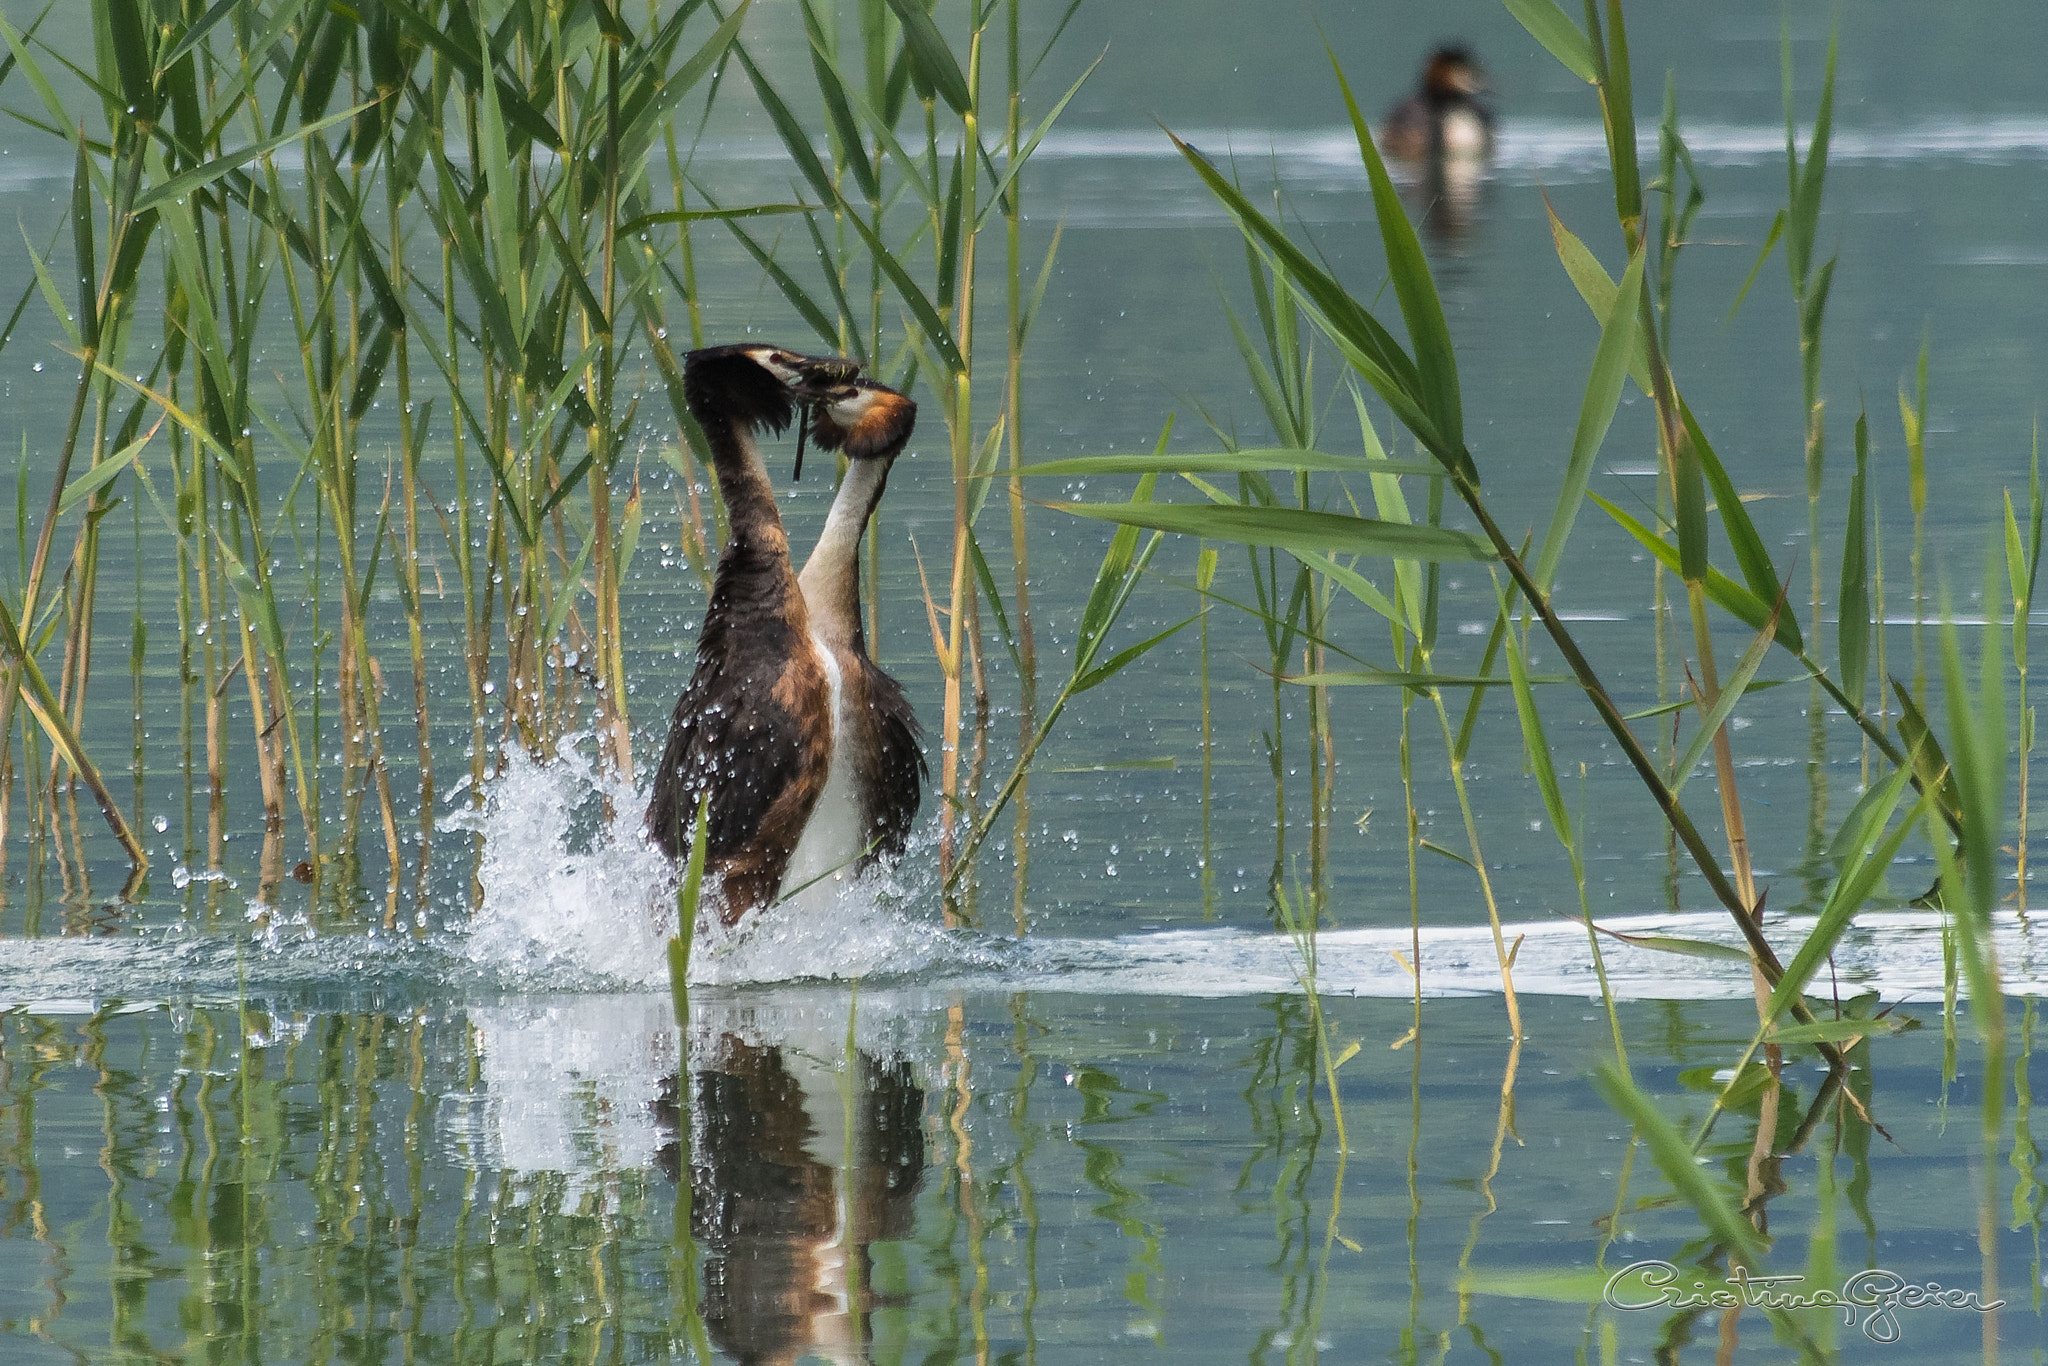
[(1444, 118)]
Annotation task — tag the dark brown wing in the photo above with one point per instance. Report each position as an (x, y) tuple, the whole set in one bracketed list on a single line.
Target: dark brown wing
[(727, 736), (749, 729), (895, 762)]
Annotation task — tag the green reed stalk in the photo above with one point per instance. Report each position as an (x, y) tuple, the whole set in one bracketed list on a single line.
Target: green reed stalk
[(1013, 429), (1205, 578), (412, 433), (2023, 568), (1454, 755), (1913, 420), (957, 400)]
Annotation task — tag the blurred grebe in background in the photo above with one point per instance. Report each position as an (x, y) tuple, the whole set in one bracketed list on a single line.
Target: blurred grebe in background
[(1444, 119)]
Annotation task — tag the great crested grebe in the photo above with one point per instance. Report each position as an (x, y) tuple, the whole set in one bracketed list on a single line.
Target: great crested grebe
[(808, 750), (1443, 119)]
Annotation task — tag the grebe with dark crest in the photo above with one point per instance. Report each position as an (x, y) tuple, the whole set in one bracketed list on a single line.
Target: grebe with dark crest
[(1444, 119), (809, 752)]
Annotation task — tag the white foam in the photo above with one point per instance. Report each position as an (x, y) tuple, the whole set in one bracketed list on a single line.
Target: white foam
[(548, 907), (1551, 144), (1897, 954), (560, 915), (568, 1085)]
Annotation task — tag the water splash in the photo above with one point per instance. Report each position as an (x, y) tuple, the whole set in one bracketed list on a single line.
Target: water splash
[(578, 904), (552, 910), (599, 909)]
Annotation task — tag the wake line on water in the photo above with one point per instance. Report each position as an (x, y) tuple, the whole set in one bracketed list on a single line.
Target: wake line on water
[(1564, 144), (1897, 954), (592, 913)]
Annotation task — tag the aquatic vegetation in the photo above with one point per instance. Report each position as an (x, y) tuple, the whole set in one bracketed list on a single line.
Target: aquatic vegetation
[(396, 466)]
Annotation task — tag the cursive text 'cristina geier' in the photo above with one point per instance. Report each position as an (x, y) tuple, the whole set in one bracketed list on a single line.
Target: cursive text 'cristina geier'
[(1874, 1295)]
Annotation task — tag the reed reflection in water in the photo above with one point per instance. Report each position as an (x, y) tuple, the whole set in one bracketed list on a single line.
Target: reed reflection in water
[(900, 1175)]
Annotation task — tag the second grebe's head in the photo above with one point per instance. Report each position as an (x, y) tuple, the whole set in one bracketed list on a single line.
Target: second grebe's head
[(861, 418)]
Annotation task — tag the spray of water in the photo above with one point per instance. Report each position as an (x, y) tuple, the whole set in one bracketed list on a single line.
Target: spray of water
[(569, 898)]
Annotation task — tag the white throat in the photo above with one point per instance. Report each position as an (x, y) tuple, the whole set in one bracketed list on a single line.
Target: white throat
[(838, 548), (830, 845)]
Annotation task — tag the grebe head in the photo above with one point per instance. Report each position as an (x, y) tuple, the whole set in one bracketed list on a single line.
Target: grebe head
[(754, 386), (1452, 75), (863, 419)]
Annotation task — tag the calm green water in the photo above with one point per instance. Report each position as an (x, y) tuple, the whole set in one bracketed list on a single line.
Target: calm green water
[(1027, 1176), (472, 1142)]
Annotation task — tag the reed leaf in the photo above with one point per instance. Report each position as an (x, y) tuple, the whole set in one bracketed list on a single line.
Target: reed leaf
[(1980, 757), (796, 140), (1617, 108), (1226, 462), (1847, 1029), (1118, 662), (195, 33), (1758, 572), (1550, 26), (100, 475), (1368, 346), (199, 177), (1296, 530), (1870, 856), (50, 715), (931, 58), (1732, 689), (1680, 945), (647, 112), (914, 298), (52, 296), (1619, 341), (1913, 419), (820, 321), (1727, 594), (633, 226), (838, 109), (129, 38), (1595, 286), (2023, 557), (1436, 362), (1673, 1156), (1014, 167), (1534, 742), (17, 48), (1405, 678), (1852, 632), (470, 61), (84, 268), (1805, 182)]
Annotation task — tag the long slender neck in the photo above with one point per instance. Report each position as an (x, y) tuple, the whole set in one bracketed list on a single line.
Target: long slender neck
[(831, 577), (743, 483)]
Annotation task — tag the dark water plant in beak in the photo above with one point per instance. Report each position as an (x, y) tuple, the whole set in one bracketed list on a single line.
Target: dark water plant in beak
[(819, 378)]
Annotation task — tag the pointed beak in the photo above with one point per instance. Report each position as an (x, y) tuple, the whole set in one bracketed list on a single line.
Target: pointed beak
[(817, 378)]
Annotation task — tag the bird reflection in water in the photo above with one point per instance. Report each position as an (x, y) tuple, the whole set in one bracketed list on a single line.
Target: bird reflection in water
[(785, 1233)]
